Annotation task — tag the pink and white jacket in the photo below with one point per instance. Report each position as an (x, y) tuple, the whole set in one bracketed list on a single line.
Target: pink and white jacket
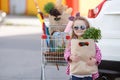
[(97, 56)]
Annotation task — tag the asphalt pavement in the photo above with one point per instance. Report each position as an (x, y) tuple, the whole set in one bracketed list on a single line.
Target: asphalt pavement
[(20, 57)]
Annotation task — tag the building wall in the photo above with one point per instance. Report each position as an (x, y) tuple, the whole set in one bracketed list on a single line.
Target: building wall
[(4, 5), (74, 4), (85, 5), (17, 7), (0, 4), (30, 9)]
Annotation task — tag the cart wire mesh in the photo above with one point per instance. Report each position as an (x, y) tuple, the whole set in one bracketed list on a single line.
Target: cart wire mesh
[(53, 49)]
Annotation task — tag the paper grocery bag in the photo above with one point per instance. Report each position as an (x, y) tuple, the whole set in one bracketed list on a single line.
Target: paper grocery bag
[(58, 25), (85, 49)]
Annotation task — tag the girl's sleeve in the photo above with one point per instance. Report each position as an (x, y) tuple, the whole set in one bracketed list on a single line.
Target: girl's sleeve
[(95, 76), (98, 55), (67, 54)]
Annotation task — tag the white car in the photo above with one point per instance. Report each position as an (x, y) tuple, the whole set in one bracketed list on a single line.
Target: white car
[(108, 20)]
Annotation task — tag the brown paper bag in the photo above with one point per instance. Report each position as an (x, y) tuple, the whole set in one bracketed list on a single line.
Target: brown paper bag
[(59, 25), (84, 49)]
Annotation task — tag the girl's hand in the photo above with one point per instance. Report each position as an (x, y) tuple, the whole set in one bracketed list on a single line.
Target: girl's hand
[(91, 61), (74, 58)]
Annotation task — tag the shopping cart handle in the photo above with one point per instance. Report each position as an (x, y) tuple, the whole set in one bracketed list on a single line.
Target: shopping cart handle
[(44, 36), (67, 37)]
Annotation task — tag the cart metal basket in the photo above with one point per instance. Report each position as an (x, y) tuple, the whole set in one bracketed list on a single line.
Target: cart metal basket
[(52, 51)]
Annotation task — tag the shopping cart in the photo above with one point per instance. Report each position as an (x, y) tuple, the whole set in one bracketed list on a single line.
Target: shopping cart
[(52, 51)]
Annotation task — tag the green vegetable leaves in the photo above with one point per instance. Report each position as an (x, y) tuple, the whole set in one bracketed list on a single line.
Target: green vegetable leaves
[(49, 6), (92, 33)]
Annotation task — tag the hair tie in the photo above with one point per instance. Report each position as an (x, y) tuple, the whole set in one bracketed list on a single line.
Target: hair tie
[(78, 15), (71, 18)]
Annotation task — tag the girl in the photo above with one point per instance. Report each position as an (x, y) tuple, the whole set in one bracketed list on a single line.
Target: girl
[(79, 26)]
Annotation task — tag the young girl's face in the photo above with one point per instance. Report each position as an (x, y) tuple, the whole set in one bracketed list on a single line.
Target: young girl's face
[(79, 27)]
